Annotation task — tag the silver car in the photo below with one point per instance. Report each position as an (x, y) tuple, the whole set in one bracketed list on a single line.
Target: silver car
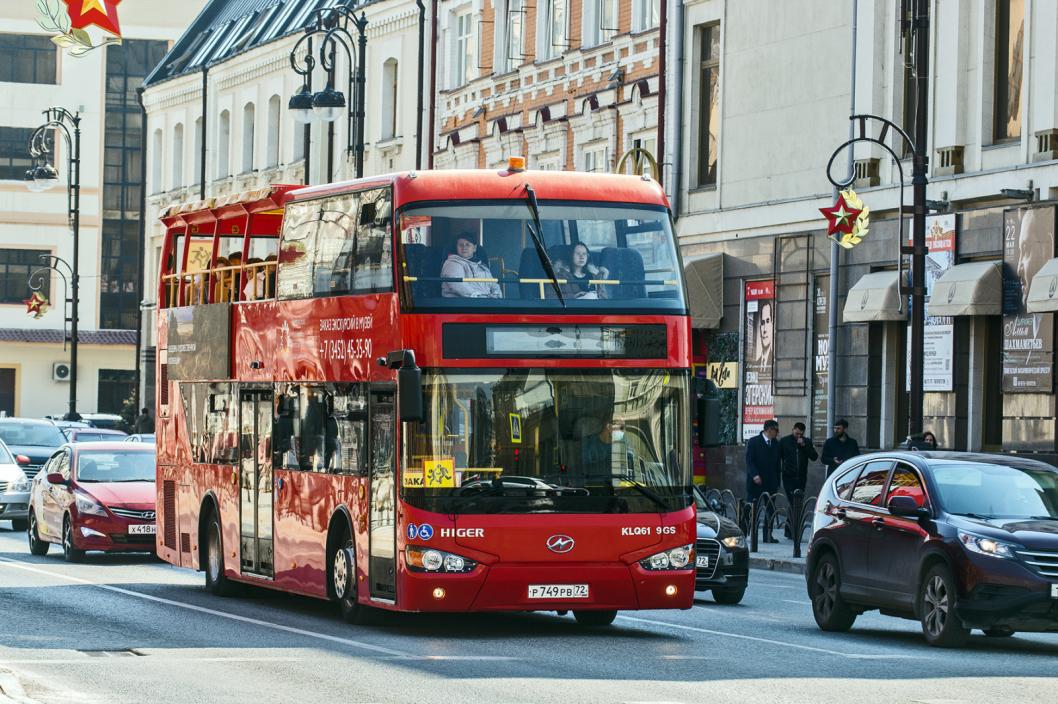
[(14, 489)]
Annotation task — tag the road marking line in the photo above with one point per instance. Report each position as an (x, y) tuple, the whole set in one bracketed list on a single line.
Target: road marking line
[(803, 603), (201, 609), (757, 639)]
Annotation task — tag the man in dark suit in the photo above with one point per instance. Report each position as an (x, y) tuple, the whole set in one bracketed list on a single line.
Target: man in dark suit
[(796, 451), (764, 466)]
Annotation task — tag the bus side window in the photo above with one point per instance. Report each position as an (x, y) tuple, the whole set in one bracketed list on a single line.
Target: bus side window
[(300, 222), (284, 419), (373, 263)]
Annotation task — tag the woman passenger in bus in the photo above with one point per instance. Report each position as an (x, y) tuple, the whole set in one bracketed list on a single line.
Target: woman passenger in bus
[(464, 264), (579, 272)]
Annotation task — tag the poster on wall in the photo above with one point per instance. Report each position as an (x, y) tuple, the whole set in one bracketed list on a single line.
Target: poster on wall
[(1028, 338), (820, 359), (939, 338), (759, 353)]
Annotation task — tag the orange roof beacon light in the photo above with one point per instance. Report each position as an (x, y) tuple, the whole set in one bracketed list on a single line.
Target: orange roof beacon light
[(516, 163)]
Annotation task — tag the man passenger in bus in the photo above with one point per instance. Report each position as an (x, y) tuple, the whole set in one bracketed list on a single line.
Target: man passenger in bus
[(596, 450), (579, 272), (464, 264)]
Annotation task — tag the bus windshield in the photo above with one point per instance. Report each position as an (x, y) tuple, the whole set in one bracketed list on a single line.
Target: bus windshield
[(594, 256), (549, 440)]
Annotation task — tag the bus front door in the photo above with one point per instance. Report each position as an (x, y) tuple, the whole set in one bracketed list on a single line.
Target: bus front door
[(382, 539), (255, 481)]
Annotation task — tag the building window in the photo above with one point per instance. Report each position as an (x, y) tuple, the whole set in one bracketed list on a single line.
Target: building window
[(512, 16), (637, 164), (120, 255), (116, 387), (389, 99), (645, 14), (1009, 66), (8, 384), (553, 33), (224, 145), (708, 104), (28, 59), (273, 132), (16, 266), (599, 21), (249, 113), (463, 61), (178, 156), (595, 160), (157, 145), (200, 135), (14, 152)]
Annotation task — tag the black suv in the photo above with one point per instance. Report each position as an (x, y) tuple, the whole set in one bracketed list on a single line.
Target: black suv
[(957, 541)]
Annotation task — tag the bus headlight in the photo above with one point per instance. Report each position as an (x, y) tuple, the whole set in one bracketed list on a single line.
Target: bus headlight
[(674, 559), (430, 560)]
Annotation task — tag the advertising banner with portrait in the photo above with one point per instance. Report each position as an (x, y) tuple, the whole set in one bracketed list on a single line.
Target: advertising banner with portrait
[(759, 353), (1028, 338), (820, 359), (939, 340)]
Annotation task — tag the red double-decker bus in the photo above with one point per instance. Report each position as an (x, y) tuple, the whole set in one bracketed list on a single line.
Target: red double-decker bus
[(432, 391)]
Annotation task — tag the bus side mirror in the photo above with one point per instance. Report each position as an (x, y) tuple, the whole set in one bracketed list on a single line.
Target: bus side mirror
[(409, 393), (707, 412)]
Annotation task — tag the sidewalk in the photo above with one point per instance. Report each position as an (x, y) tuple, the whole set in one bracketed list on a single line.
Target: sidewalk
[(11, 691), (778, 556)]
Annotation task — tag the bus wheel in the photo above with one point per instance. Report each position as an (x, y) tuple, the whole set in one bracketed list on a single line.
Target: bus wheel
[(594, 618), (343, 581), (216, 582)]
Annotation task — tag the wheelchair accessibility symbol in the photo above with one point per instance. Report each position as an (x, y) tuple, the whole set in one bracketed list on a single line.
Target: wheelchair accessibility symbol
[(423, 532)]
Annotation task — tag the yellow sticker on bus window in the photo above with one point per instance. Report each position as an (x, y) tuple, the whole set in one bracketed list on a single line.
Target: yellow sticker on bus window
[(413, 478), (439, 474), (516, 428)]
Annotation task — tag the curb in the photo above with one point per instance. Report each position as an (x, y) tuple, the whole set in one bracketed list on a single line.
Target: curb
[(11, 690), (777, 564)]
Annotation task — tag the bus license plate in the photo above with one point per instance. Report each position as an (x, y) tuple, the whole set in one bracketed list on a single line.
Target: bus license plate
[(147, 529), (702, 561), (558, 591)]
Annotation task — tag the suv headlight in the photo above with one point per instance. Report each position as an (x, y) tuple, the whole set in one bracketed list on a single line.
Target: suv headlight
[(431, 560), (87, 504), (18, 486), (986, 546), (734, 542), (673, 559)]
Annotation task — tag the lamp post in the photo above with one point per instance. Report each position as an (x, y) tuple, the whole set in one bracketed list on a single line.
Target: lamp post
[(45, 176), (336, 25)]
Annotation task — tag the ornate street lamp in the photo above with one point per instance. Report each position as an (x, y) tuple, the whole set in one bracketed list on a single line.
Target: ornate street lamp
[(45, 176), (335, 24)]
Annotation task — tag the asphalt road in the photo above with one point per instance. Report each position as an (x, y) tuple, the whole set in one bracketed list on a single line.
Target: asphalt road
[(130, 629)]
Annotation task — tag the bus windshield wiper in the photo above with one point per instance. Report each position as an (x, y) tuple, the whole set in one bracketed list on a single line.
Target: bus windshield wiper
[(535, 233), (643, 489)]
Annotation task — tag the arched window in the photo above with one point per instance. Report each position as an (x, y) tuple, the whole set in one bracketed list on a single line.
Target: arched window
[(249, 113), (199, 136), (178, 156), (157, 145), (273, 132), (224, 145), (389, 99)]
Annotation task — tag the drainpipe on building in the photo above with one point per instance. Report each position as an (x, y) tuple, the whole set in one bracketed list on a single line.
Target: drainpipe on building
[(202, 155), (675, 156), (433, 80), (143, 246), (835, 252), (418, 99), (662, 93)]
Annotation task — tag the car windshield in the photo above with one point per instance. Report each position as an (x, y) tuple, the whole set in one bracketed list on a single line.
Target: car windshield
[(79, 436), (115, 466), (5, 455), (31, 434), (563, 441), (997, 491), (604, 256)]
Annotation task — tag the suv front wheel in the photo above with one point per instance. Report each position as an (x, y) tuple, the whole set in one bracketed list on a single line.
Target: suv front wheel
[(937, 599)]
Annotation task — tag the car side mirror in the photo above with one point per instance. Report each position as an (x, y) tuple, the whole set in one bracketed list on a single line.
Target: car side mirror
[(56, 478), (22, 460), (907, 507)]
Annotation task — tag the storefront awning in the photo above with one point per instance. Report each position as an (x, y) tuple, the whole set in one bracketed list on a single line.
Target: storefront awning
[(1043, 291), (705, 289), (875, 298), (975, 288)]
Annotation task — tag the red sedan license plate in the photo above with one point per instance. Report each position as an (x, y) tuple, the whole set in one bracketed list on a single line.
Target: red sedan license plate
[(147, 529)]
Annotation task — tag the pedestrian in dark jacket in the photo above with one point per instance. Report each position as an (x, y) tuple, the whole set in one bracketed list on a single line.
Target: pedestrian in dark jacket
[(839, 447), (764, 466), (144, 423), (797, 450)]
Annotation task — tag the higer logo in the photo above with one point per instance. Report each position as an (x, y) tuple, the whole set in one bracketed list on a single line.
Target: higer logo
[(560, 543), (462, 532)]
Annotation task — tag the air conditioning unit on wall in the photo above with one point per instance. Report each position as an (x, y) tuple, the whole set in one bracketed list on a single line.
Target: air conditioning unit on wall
[(60, 371)]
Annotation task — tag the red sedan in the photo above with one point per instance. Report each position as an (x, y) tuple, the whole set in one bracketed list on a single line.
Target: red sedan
[(97, 496)]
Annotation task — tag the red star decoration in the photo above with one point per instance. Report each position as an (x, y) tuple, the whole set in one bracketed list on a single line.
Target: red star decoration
[(101, 13), (840, 217), (36, 304)]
